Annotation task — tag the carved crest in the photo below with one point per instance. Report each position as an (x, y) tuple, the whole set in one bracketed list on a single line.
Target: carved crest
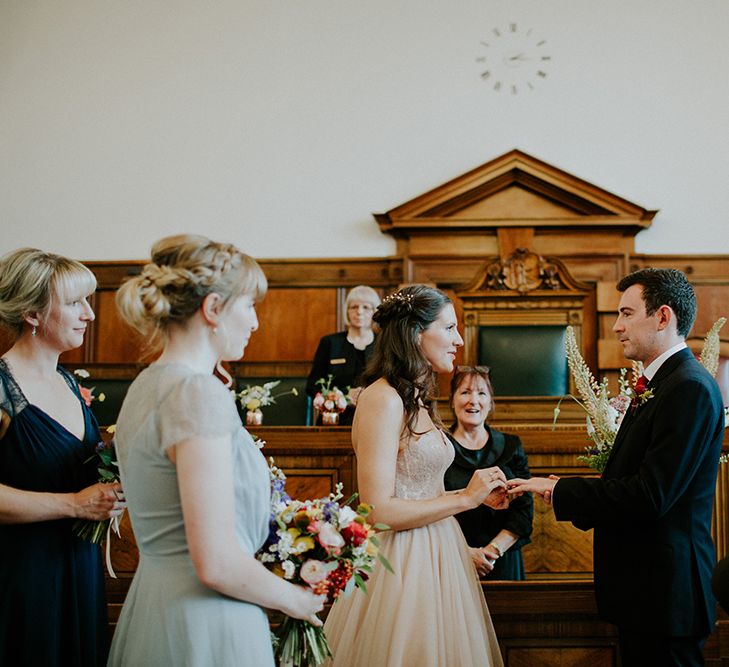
[(522, 271)]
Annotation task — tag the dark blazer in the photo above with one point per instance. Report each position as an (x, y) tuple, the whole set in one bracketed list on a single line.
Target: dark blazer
[(651, 509), (481, 524), (336, 355)]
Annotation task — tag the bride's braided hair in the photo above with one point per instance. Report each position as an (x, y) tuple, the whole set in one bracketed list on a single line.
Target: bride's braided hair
[(183, 271), (397, 356)]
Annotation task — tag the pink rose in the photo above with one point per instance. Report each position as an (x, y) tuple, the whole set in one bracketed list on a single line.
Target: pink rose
[(330, 539), (314, 571)]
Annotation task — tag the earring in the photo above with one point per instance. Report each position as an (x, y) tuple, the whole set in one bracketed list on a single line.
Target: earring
[(34, 331), (215, 331)]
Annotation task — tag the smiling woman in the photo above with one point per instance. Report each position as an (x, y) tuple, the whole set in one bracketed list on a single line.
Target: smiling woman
[(52, 608), (495, 538), (401, 457)]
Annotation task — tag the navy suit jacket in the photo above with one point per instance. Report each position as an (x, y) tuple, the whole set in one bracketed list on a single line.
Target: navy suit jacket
[(651, 509)]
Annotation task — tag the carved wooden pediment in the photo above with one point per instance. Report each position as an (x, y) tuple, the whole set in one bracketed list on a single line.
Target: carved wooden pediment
[(511, 191), (522, 272)]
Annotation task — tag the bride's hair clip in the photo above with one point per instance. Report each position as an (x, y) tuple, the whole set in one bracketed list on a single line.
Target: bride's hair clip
[(394, 306)]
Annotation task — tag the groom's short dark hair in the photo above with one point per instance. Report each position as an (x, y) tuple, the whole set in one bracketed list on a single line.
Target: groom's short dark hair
[(665, 287)]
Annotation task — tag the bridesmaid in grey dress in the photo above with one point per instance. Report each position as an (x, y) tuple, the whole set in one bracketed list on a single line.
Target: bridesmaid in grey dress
[(197, 486)]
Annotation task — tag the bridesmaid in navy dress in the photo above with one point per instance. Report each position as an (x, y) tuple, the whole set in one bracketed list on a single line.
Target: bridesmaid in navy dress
[(52, 602)]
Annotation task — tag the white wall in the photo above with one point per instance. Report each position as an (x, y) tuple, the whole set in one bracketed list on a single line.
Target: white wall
[(282, 125)]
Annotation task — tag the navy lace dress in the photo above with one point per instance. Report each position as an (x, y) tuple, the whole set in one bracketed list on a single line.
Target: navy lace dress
[(52, 602)]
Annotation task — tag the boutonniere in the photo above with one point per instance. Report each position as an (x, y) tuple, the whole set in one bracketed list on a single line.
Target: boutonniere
[(641, 393)]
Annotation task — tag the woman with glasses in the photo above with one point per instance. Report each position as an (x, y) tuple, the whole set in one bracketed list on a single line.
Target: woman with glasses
[(343, 355)]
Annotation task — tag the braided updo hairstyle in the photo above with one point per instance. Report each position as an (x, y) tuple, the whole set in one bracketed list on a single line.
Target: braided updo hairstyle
[(397, 356), (183, 271)]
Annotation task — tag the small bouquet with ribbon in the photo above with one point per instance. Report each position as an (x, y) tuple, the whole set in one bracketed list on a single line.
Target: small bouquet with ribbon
[(324, 544), (100, 531)]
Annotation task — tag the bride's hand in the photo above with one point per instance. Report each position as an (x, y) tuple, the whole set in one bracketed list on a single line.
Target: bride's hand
[(483, 482)]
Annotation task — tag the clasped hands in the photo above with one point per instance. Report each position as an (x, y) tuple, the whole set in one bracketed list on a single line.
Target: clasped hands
[(488, 487)]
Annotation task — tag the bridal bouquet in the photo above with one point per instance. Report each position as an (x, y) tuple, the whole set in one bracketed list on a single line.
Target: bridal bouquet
[(324, 544), (605, 412)]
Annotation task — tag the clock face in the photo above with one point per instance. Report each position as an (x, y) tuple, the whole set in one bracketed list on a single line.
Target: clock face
[(513, 60)]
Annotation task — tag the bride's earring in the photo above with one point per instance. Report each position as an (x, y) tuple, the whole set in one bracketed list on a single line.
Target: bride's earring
[(215, 331), (34, 331)]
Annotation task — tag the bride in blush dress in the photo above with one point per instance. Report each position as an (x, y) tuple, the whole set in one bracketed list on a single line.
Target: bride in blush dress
[(431, 611)]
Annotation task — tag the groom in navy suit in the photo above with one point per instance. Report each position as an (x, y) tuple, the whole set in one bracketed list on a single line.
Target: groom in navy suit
[(651, 509)]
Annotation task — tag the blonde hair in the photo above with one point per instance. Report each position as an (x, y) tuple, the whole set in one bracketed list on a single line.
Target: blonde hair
[(361, 293), (184, 269), (30, 280)]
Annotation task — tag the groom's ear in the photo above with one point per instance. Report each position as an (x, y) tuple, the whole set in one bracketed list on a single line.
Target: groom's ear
[(666, 317)]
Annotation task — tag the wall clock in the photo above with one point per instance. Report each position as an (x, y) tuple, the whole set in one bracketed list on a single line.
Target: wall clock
[(513, 59)]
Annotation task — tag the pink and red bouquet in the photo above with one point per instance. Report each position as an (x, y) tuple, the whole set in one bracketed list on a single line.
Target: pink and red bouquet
[(329, 399), (324, 544)]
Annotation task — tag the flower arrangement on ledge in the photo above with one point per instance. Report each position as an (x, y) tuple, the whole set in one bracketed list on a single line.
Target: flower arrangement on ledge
[(255, 397), (324, 544), (604, 413), (330, 401)]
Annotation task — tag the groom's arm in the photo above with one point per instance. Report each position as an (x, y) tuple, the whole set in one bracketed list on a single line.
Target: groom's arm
[(681, 436)]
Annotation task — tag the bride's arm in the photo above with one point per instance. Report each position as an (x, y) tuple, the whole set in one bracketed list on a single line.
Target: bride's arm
[(375, 436)]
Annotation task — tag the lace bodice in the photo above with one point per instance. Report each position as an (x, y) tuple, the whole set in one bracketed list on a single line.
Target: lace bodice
[(421, 465)]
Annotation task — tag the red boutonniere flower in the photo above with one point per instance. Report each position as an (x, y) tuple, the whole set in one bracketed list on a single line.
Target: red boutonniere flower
[(641, 393)]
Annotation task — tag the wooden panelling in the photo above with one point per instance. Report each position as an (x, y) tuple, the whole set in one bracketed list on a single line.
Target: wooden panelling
[(112, 340), (713, 302), (291, 322), (696, 267), (608, 297), (556, 546), (604, 656)]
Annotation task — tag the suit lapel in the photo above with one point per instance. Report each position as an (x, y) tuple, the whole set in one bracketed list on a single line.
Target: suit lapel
[(667, 367)]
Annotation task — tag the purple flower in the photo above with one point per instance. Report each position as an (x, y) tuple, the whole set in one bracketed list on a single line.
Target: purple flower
[(331, 511)]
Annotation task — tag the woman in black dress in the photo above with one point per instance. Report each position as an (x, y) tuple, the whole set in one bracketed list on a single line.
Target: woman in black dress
[(52, 602), (343, 355), (495, 537)]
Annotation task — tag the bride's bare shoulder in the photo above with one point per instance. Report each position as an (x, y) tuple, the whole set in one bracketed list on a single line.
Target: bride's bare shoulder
[(380, 395)]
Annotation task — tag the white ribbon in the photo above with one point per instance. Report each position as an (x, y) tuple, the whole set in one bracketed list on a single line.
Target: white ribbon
[(113, 525)]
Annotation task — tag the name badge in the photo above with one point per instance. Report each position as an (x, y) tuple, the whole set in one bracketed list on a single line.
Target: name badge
[(334, 362)]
